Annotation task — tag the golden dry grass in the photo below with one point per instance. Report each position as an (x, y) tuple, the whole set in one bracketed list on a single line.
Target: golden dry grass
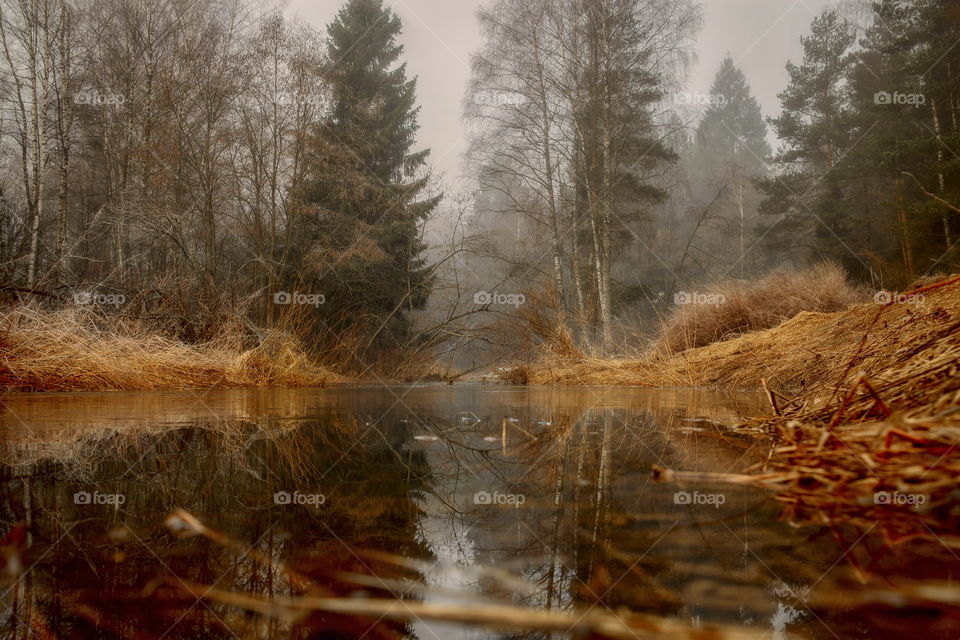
[(811, 350), (757, 304), (75, 350), (871, 439)]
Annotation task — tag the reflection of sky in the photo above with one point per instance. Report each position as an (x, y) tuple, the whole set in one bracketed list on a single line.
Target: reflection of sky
[(444, 542), (489, 550), (492, 551), (447, 536)]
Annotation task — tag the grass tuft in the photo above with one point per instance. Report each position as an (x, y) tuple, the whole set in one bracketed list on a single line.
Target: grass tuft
[(80, 350), (755, 305)]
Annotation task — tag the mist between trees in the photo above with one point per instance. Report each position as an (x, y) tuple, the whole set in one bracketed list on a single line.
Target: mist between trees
[(205, 166)]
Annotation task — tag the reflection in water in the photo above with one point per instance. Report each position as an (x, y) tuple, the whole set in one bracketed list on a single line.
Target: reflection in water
[(445, 495)]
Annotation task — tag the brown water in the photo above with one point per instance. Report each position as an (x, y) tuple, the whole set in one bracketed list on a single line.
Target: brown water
[(534, 497)]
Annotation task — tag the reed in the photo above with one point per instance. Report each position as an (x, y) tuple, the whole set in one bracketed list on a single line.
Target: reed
[(756, 304)]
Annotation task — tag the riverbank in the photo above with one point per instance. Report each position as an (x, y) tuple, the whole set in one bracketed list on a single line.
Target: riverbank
[(79, 351), (809, 352), (864, 420)]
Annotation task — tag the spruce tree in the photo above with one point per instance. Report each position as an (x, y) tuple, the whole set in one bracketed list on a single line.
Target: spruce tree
[(733, 124), (730, 153), (364, 196)]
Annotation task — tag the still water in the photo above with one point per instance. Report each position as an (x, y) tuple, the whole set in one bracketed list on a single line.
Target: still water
[(192, 514)]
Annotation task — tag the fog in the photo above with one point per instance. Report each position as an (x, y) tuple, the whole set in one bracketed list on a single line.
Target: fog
[(433, 175), (439, 36)]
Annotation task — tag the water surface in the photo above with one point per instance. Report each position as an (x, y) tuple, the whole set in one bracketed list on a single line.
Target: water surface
[(536, 497)]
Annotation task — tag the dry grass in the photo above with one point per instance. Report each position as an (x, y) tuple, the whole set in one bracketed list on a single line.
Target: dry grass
[(77, 350), (807, 352), (756, 305), (872, 439)]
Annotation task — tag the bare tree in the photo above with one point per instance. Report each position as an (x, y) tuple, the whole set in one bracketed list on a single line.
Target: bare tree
[(579, 149), (32, 34)]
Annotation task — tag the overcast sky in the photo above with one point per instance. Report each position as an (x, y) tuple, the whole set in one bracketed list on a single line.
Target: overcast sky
[(439, 36)]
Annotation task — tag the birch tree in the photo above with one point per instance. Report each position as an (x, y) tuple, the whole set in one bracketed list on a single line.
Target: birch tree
[(32, 32)]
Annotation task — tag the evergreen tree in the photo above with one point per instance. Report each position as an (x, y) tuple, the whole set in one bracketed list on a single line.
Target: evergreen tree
[(364, 195), (876, 205), (904, 84), (814, 129), (733, 124), (875, 197), (729, 155), (867, 164)]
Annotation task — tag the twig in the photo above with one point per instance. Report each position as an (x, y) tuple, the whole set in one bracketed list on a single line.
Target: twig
[(770, 397)]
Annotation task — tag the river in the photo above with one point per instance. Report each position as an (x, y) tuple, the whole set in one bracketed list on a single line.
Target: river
[(148, 515)]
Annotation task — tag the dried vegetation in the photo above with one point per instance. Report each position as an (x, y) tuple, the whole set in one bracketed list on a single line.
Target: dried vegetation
[(79, 350), (870, 438)]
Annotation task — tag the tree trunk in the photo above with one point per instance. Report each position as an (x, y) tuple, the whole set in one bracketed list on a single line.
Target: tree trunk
[(62, 266), (945, 217), (905, 249)]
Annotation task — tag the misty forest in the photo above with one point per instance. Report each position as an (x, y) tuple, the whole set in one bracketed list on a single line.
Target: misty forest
[(669, 349)]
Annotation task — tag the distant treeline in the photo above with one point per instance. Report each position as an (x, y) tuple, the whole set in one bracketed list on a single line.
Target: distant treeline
[(212, 164), (599, 172)]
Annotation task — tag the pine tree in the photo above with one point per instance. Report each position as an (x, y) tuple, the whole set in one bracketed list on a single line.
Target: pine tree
[(876, 217), (814, 128), (363, 201), (910, 56)]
